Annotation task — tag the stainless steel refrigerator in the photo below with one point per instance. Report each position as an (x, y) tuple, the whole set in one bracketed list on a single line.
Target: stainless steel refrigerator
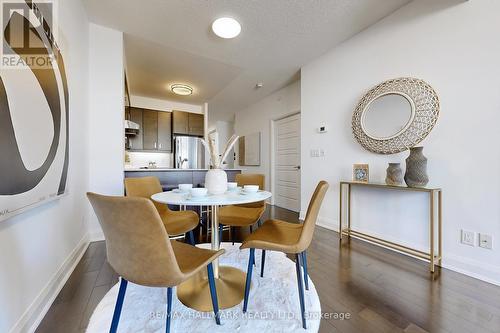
[(188, 153)]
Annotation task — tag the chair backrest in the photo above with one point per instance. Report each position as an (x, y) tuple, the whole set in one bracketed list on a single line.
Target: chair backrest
[(137, 244), (312, 215), (252, 179), (145, 187)]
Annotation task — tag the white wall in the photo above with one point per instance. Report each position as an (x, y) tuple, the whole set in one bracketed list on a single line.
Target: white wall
[(106, 131), (163, 104), (38, 247), (258, 117), (455, 48)]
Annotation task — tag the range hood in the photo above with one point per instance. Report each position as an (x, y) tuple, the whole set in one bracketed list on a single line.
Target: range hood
[(131, 128)]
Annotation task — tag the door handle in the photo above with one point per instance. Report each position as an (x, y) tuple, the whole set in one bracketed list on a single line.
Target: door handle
[(297, 167)]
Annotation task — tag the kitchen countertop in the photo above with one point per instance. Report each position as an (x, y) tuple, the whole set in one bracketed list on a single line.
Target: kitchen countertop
[(171, 169)]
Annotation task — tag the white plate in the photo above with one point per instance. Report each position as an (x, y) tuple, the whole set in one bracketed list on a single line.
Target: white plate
[(191, 198)]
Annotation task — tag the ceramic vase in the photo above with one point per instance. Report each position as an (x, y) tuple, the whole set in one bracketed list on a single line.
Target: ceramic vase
[(416, 168), (394, 175), (216, 181)]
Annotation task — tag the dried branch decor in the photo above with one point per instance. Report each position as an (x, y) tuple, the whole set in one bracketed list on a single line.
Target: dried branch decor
[(212, 147)]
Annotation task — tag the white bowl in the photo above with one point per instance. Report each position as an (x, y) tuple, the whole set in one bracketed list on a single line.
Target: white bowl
[(198, 192), (232, 186), (251, 188), (185, 187)]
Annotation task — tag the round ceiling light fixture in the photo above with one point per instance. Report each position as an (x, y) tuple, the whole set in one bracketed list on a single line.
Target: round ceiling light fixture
[(181, 89), (226, 27)]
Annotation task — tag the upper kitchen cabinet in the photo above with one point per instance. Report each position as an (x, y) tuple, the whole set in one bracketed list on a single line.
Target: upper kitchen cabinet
[(180, 122), (196, 124), (135, 139), (155, 130), (165, 131), (186, 123), (150, 129)]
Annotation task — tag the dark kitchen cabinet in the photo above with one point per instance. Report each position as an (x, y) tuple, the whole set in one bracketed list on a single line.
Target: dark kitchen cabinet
[(186, 123), (135, 141), (180, 123), (164, 131), (155, 132), (196, 124), (150, 129)]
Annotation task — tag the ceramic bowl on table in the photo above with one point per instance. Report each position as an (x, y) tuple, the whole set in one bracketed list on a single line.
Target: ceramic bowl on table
[(198, 192), (231, 186), (185, 187), (251, 188)]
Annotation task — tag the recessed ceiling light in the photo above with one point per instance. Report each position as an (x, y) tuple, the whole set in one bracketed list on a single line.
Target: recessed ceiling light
[(226, 27), (181, 89)]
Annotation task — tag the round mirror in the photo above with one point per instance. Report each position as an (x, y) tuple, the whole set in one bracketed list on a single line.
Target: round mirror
[(387, 116), (395, 115)]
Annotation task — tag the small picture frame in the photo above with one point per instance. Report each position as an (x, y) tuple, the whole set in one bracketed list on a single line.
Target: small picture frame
[(360, 173)]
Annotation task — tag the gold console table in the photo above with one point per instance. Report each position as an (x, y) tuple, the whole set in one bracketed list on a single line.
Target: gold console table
[(430, 256)]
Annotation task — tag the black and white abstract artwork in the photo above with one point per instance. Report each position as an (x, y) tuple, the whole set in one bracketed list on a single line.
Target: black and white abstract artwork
[(34, 113)]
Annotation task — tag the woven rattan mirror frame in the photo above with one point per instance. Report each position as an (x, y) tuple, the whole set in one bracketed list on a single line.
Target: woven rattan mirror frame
[(426, 108)]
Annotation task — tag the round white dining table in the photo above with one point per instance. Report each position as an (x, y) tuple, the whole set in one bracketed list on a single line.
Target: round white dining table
[(230, 281)]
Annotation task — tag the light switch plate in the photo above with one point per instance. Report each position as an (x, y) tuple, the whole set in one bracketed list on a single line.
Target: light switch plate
[(485, 241), (468, 237)]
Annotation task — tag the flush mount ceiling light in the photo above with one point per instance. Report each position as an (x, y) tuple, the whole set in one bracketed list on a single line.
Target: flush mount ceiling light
[(181, 89), (226, 27)]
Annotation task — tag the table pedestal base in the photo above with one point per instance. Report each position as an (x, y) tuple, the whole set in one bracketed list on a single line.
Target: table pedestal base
[(195, 292)]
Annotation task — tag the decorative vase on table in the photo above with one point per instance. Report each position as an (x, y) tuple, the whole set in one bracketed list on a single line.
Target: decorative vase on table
[(216, 181), (394, 175), (416, 168), (216, 178)]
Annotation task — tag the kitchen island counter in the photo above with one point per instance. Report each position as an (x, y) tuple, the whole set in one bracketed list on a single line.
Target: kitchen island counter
[(132, 169), (171, 178)]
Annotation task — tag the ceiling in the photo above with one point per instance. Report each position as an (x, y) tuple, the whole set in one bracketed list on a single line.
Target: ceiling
[(170, 41)]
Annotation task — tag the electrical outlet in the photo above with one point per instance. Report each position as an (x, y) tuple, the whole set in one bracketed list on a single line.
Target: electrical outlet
[(485, 241), (468, 237)]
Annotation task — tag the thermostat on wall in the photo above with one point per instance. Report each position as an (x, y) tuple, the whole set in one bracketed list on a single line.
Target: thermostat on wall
[(322, 129)]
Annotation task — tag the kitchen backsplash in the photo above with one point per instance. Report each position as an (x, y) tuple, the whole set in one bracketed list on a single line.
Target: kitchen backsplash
[(142, 159)]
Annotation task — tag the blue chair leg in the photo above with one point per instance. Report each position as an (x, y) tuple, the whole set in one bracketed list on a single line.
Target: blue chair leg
[(249, 279), (251, 230), (190, 237), (301, 290), (118, 306), (262, 262), (304, 266), (169, 308), (233, 232), (221, 227), (213, 292)]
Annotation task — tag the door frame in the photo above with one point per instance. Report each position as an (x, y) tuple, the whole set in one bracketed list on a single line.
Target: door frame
[(272, 148)]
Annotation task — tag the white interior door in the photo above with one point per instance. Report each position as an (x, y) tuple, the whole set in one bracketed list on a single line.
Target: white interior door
[(287, 162)]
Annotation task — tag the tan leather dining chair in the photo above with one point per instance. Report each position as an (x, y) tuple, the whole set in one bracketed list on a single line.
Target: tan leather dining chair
[(244, 215), (176, 222), (140, 251), (277, 235)]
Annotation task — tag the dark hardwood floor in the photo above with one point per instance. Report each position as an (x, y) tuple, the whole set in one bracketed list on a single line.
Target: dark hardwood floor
[(381, 291)]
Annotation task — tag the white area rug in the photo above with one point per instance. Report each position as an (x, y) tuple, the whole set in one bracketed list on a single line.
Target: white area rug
[(273, 304)]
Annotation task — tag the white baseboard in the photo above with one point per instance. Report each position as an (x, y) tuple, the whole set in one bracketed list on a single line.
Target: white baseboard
[(325, 222), (484, 272), (96, 235), (481, 271), (32, 317)]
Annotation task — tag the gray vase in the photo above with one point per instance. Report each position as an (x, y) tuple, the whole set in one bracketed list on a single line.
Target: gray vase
[(416, 168), (394, 174)]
